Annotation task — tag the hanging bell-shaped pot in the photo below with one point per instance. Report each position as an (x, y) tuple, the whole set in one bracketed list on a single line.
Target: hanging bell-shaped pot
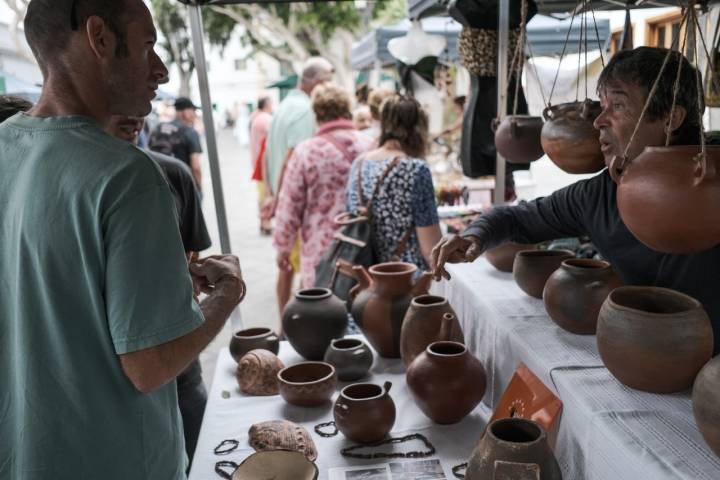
[(517, 138)]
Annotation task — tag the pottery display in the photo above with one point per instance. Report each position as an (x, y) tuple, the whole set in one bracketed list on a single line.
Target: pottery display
[(446, 381), (307, 384), (532, 268), (282, 435), (502, 257), (271, 464), (575, 292), (517, 138), (253, 338), (667, 194), (706, 403), (351, 357), (312, 319), (365, 412), (570, 139), (381, 299), (513, 448), (430, 318), (257, 372), (654, 339)]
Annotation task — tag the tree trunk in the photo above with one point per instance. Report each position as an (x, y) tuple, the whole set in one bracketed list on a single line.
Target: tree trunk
[(185, 79)]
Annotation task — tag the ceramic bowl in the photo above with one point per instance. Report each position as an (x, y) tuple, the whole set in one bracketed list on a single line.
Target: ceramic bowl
[(276, 465), (251, 339), (307, 384)]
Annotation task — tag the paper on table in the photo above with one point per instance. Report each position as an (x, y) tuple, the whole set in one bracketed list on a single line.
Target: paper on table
[(430, 469)]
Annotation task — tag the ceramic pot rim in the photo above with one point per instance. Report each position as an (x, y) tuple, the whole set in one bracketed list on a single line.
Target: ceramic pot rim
[(523, 421), (265, 331), (315, 293), (585, 265), (693, 304), (446, 343), (269, 452), (545, 253), (356, 399), (429, 300), (311, 382), (394, 268), (357, 343)]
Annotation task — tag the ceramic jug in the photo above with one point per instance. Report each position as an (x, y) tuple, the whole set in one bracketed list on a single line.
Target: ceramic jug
[(706, 403), (312, 320), (429, 319), (517, 138), (365, 412)]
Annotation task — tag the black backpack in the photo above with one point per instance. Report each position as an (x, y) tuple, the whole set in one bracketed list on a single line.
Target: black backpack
[(164, 139)]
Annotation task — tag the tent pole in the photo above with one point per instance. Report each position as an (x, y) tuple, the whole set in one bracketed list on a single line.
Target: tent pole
[(503, 41)]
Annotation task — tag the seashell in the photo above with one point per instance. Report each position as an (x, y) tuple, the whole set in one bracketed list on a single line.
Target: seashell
[(282, 435), (257, 372)]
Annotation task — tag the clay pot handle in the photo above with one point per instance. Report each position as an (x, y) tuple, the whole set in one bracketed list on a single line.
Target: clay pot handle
[(517, 471), (386, 387), (494, 124), (547, 113), (705, 170), (225, 464)]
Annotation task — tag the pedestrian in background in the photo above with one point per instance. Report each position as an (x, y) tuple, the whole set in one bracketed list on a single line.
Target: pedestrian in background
[(259, 126)]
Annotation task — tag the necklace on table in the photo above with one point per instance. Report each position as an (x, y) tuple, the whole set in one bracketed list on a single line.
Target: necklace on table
[(349, 451)]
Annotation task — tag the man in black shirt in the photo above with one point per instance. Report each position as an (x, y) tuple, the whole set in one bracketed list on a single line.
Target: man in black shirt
[(589, 207)]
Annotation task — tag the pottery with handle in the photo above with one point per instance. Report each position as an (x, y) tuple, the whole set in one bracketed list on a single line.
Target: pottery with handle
[(429, 319), (365, 412)]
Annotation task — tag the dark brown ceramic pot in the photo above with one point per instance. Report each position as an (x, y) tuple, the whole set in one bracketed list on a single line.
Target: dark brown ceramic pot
[(351, 357), (517, 138), (513, 448), (312, 320), (706, 403), (365, 412), (429, 319), (532, 268), (307, 384), (253, 338), (257, 371), (570, 139), (502, 257), (446, 381), (575, 292), (666, 196), (381, 299), (275, 464), (654, 339)]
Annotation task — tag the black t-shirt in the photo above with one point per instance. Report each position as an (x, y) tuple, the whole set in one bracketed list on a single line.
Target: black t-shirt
[(175, 139)]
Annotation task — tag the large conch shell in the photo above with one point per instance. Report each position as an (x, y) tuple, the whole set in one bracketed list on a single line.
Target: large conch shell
[(282, 435), (257, 372)]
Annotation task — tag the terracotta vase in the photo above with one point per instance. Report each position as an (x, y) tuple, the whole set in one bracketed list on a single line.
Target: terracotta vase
[(312, 319), (253, 338), (654, 339), (502, 257), (532, 268), (365, 412), (575, 292), (307, 384), (706, 403), (351, 357), (570, 139), (381, 299), (282, 435), (446, 381), (429, 319), (666, 196), (275, 464), (517, 138), (257, 373), (513, 448)]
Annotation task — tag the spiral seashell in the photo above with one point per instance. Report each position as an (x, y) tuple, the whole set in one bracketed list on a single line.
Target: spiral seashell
[(257, 372), (282, 435)]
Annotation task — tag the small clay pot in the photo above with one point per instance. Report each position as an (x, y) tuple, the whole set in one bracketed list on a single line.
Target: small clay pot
[(575, 292), (654, 339), (307, 384), (351, 357), (429, 319), (365, 412), (282, 435), (312, 320), (706, 403), (517, 138), (253, 338), (502, 257), (257, 373), (532, 268), (275, 464)]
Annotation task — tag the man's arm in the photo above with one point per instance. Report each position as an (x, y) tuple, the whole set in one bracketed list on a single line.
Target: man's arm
[(195, 166)]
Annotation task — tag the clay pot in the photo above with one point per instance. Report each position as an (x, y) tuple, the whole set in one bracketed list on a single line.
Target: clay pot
[(253, 338), (706, 403), (517, 138), (312, 320), (570, 139), (351, 357), (446, 381), (381, 299), (257, 373), (282, 435), (654, 339), (275, 464), (666, 196), (532, 268), (513, 448), (307, 384), (429, 319), (575, 292), (365, 412), (503, 256)]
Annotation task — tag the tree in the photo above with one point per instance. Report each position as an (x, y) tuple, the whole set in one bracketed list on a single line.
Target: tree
[(19, 9)]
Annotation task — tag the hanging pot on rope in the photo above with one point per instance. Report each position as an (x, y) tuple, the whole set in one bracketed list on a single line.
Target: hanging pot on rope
[(517, 138)]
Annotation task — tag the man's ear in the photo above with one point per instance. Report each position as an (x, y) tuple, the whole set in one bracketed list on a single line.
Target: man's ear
[(101, 39), (678, 117)]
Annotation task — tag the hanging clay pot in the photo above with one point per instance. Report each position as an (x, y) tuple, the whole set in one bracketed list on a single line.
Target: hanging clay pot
[(307, 384), (532, 268), (312, 320), (381, 299), (282, 435), (666, 196), (513, 448), (502, 257), (365, 412), (570, 139), (257, 372), (252, 338), (446, 381), (706, 403), (429, 319), (351, 357), (517, 138), (654, 339), (575, 292)]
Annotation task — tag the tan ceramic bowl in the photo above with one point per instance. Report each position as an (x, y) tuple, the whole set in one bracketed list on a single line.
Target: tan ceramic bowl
[(307, 384)]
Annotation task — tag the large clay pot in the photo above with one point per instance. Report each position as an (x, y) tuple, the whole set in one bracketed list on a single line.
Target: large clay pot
[(252, 338), (502, 257), (706, 403), (351, 357), (532, 268), (307, 384), (365, 412), (446, 381), (312, 320), (666, 196), (257, 371), (513, 448), (654, 339), (570, 139), (381, 299), (429, 319), (575, 292), (517, 138)]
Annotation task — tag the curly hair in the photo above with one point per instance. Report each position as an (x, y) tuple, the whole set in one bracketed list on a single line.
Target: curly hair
[(403, 119), (330, 102)]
